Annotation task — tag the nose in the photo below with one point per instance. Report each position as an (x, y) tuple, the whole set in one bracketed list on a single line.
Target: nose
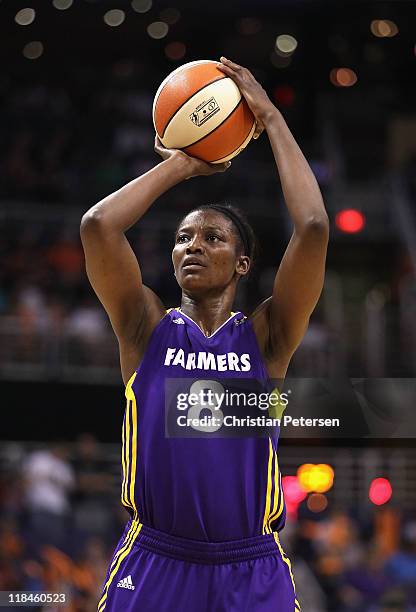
[(194, 245)]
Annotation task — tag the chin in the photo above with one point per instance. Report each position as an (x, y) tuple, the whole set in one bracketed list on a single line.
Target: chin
[(192, 284), (196, 282)]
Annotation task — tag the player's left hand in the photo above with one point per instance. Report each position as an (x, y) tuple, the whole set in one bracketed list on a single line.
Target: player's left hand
[(257, 99)]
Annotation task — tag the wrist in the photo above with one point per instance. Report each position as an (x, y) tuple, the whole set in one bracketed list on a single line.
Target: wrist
[(270, 115), (180, 166)]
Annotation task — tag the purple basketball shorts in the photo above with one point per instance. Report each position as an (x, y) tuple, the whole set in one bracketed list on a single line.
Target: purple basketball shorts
[(152, 570)]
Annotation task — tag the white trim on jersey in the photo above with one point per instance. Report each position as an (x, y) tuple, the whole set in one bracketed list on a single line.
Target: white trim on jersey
[(216, 331)]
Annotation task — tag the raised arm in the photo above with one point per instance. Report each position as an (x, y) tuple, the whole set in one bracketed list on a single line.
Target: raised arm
[(281, 321), (300, 277), (112, 268)]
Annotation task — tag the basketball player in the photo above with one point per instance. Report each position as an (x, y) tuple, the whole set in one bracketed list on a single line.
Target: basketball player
[(204, 512)]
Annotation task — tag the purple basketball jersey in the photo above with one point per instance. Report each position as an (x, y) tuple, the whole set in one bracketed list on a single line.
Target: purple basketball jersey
[(208, 489)]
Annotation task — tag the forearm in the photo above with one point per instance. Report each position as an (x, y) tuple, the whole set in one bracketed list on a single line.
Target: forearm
[(300, 188), (123, 208)]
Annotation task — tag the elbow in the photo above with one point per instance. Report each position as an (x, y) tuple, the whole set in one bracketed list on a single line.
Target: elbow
[(316, 225), (92, 219)]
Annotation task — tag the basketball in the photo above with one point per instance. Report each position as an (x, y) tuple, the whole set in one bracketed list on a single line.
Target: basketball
[(200, 110)]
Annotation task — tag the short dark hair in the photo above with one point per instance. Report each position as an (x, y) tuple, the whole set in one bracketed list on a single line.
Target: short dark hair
[(242, 228)]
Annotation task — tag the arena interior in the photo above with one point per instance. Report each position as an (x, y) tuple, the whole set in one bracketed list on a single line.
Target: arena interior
[(76, 93)]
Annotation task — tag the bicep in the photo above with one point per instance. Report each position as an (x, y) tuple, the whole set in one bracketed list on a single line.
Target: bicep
[(297, 287), (114, 274)]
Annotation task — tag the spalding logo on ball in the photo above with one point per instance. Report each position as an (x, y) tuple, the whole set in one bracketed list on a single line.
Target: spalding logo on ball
[(200, 110)]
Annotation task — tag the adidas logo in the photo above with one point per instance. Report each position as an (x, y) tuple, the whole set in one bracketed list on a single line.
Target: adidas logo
[(126, 583), (179, 321)]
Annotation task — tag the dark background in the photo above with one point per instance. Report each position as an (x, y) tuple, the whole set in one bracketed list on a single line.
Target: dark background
[(75, 125)]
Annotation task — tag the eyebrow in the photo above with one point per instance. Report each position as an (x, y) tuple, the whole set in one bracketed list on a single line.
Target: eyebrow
[(215, 228)]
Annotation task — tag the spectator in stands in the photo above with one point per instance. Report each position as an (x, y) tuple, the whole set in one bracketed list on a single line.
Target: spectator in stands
[(86, 327), (363, 584), (48, 480), (94, 492), (401, 566)]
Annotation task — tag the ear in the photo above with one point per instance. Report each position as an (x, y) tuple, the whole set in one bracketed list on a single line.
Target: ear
[(243, 265)]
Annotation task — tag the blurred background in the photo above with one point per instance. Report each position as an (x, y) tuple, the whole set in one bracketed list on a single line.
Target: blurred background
[(76, 92)]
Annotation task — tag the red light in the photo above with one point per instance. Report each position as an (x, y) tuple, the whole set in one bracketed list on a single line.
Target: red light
[(380, 491), (294, 493), (284, 95), (350, 221)]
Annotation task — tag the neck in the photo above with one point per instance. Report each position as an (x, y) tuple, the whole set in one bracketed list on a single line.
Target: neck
[(209, 313)]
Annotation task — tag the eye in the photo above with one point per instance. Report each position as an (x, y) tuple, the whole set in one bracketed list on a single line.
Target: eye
[(181, 238), (213, 237)]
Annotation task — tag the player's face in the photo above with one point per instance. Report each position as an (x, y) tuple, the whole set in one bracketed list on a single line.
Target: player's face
[(205, 255)]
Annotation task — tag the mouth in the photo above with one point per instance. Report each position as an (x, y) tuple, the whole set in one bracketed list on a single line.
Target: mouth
[(192, 268), (192, 264)]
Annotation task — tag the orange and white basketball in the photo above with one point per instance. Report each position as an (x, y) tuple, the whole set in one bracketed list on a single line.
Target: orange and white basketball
[(200, 110)]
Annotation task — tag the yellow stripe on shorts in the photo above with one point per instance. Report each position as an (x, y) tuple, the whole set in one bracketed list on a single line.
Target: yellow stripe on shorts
[(122, 554), (286, 560)]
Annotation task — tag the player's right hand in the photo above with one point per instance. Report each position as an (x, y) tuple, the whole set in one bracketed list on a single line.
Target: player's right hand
[(192, 165)]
